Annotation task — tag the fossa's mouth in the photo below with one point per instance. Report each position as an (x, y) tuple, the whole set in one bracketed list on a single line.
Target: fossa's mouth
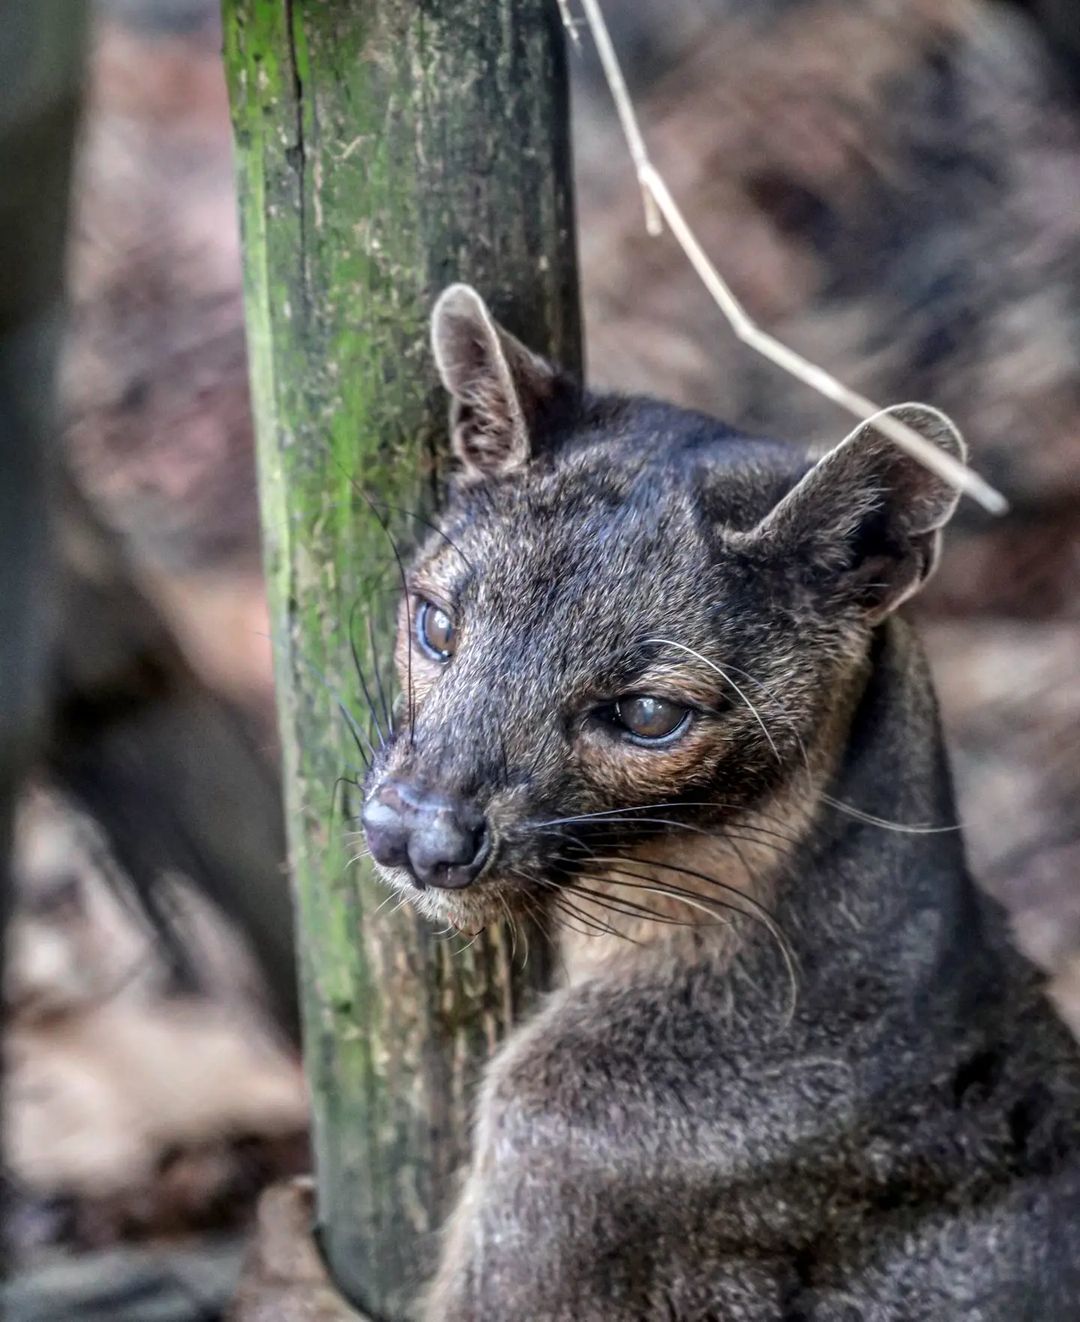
[(467, 910)]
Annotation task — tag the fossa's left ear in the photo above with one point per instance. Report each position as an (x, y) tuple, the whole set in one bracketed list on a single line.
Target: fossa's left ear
[(497, 386), (863, 526)]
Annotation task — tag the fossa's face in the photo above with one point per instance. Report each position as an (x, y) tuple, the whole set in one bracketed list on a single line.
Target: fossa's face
[(629, 634)]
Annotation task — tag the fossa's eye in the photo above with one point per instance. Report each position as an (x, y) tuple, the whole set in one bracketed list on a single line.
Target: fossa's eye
[(435, 632), (651, 720)]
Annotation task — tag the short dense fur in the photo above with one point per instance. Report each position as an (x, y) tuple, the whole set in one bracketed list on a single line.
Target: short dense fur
[(841, 1096)]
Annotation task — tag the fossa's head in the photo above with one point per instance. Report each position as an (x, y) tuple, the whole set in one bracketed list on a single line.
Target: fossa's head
[(635, 625)]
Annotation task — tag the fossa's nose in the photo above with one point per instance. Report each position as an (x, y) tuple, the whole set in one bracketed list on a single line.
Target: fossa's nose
[(442, 841)]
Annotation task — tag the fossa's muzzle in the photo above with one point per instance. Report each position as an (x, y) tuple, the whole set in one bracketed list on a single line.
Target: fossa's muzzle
[(439, 840)]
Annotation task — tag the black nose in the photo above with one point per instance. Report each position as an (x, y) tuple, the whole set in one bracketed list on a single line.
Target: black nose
[(442, 841)]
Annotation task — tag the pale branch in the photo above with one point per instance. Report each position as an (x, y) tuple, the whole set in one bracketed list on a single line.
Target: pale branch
[(659, 202), (570, 23)]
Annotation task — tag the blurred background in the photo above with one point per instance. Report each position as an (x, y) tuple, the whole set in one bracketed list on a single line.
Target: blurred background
[(891, 186)]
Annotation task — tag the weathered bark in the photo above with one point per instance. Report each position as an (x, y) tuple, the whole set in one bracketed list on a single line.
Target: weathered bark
[(384, 149), (40, 76)]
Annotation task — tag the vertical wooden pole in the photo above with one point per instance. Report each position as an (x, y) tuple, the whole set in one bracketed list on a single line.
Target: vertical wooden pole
[(384, 149)]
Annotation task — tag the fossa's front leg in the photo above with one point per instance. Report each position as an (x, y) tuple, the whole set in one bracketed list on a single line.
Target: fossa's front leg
[(569, 1213), (523, 1249)]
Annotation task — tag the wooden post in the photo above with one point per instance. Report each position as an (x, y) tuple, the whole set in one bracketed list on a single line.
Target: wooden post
[(384, 149)]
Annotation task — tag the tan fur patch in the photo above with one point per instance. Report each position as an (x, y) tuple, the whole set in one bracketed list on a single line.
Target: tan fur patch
[(686, 891), (737, 874)]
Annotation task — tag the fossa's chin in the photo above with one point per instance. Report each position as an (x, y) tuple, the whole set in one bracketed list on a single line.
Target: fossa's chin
[(469, 911)]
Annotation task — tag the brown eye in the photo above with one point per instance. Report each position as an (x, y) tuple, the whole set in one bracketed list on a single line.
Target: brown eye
[(651, 719), (435, 631)]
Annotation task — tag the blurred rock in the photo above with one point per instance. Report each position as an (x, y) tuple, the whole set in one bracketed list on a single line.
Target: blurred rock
[(156, 374), (186, 1283), (284, 1279), (143, 1111)]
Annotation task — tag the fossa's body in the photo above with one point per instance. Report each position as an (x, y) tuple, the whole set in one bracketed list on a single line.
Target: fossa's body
[(660, 699)]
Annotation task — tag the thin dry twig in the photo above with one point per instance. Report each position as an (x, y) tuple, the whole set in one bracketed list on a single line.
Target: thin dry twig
[(624, 106), (659, 202), (569, 22)]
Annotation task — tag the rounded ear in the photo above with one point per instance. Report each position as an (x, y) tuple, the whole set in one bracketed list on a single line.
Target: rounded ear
[(496, 384), (865, 522)]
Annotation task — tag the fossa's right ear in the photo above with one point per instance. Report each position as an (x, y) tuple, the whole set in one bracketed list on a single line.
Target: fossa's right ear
[(496, 384)]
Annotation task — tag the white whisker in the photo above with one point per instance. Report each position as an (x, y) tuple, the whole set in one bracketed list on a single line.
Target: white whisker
[(917, 828)]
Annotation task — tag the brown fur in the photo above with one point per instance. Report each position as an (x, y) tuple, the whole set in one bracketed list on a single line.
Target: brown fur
[(755, 1119)]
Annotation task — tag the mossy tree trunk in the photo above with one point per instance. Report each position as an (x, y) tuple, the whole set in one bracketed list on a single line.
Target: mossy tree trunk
[(384, 149)]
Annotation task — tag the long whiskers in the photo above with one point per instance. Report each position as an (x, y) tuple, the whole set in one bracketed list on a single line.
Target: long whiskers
[(402, 577), (631, 909), (511, 925), (363, 681), (381, 688), (755, 909), (413, 514), (917, 828), (747, 832), (561, 903), (616, 869), (598, 926), (847, 808)]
